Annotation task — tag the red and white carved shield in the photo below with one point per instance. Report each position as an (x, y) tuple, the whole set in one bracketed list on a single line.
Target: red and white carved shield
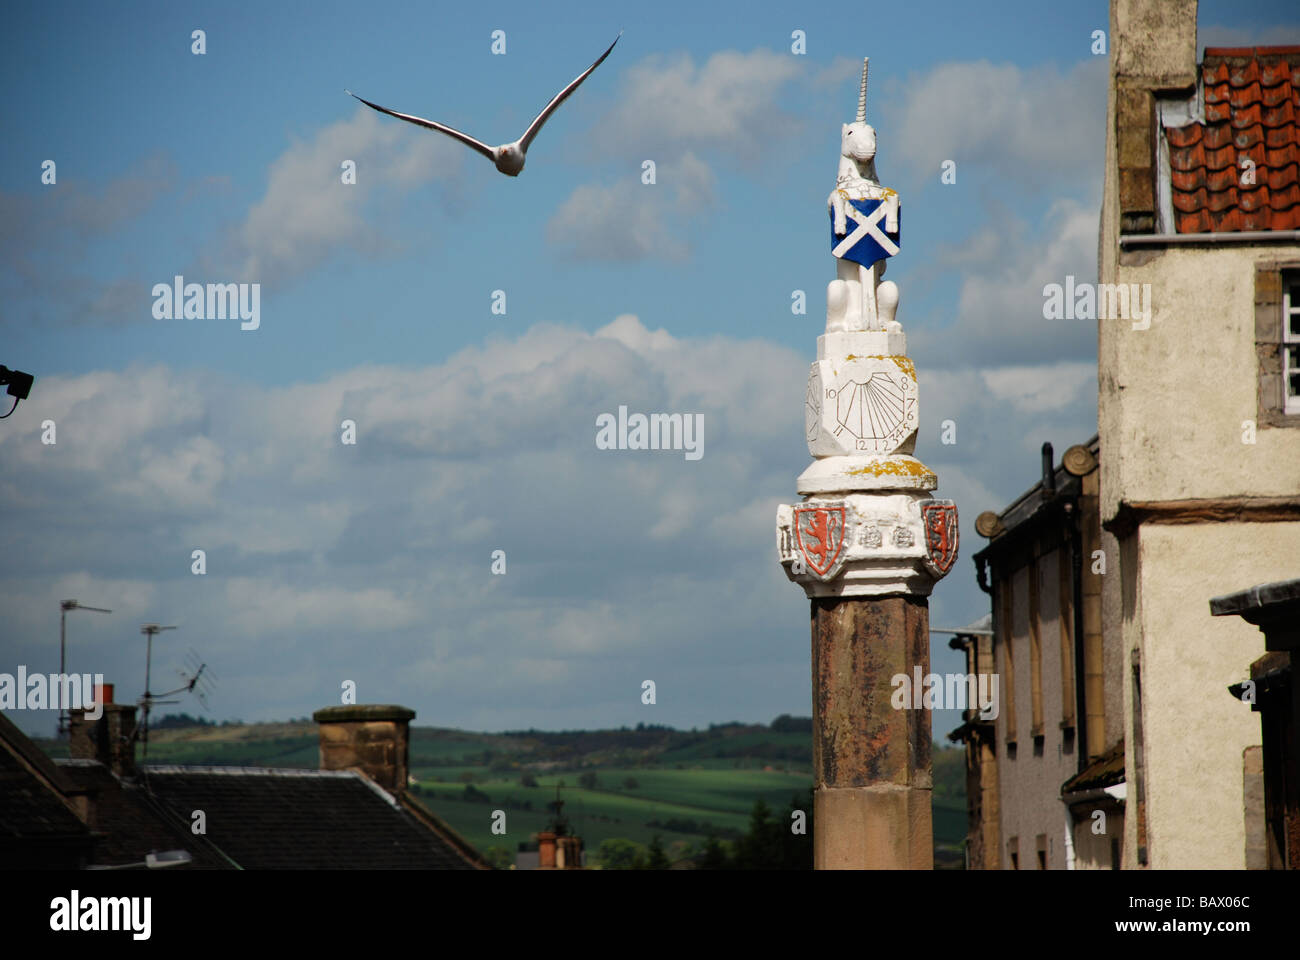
[(819, 534), (939, 517)]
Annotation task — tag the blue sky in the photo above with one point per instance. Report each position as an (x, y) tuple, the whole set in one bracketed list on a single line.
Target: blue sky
[(371, 562)]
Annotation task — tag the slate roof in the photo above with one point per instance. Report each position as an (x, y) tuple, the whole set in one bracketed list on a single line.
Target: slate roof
[(1252, 103), (34, 818), (271, 819), (131, 824), (257, 818), (1107, 770)]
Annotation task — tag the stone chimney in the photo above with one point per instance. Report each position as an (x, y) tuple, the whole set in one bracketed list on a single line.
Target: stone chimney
[(110, 739), (373, 738), (1152, 52)]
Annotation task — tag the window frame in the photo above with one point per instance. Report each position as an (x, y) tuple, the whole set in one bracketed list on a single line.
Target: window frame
[(1274, 308), (1290, 341)]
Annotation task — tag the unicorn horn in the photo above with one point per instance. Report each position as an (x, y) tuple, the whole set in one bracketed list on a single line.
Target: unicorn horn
[(862, 97)]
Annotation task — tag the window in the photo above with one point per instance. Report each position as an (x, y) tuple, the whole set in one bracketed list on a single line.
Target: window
[(1005, 594), (1035, 660), (1013, 852), (1291, 343), (1065, 631), (1042, 851), (1277, 343)]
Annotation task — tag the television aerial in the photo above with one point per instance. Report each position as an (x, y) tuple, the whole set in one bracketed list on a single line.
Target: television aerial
[(197, 681)]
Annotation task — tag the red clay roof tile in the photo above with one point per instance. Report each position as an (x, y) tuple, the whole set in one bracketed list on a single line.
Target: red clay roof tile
[(1252, 102)]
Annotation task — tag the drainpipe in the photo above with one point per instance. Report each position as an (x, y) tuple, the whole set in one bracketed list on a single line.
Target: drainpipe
[(1080, 676), (1069, 836)]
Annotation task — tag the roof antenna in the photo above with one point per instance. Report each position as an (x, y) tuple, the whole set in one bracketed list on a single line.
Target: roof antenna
[(149, 699), (198, 679)]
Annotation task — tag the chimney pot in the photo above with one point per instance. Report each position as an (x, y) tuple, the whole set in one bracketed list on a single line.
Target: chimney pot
[(110, 739), (546, 851)]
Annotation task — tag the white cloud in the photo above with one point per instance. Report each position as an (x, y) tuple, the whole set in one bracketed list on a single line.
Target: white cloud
[(1036, 127), (372, 562), (258, 608), (621, 221), (999, 311), (676, 113), (308, 213), (1044, 388), (729, 103), (631, 220)]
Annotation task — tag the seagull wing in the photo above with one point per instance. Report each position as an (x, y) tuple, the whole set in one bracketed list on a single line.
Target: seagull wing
[(464, 138), (559, 98)]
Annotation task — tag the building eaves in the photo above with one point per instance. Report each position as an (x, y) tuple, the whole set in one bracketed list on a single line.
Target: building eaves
[(1035, 506), (1105, 771)]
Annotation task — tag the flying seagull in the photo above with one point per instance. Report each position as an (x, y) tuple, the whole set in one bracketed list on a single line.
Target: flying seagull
[(509, 157)]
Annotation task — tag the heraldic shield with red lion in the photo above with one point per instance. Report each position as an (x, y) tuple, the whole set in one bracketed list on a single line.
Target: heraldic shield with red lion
[(819, 533), (939, 517)]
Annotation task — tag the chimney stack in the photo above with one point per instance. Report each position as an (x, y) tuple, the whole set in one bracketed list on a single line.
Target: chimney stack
[(372, 738), (110, 739), (546, 850)]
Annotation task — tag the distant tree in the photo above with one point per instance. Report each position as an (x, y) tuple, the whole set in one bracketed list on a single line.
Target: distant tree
[(527, 780), (587, 780), (616, 853), (788, 724), (474, 795), (631, 783), (681, 850), (656, 859), (173, 720), (797, 849), (761, 848), (499, 858), (714, 856)]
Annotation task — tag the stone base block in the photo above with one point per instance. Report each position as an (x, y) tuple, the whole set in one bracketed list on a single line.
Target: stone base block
[(882, 827)]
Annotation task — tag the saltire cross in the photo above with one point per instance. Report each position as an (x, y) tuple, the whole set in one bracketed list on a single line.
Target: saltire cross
[(866, 243)]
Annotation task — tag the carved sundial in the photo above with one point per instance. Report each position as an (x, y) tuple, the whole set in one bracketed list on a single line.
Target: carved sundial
[(812, 405)]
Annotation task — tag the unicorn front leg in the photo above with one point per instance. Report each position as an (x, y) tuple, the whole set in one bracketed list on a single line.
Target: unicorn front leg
[(844, 299), (868, 278), (835, 203)]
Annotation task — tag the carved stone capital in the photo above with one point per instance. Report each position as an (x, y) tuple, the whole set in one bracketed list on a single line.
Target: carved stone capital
[(867, 544)]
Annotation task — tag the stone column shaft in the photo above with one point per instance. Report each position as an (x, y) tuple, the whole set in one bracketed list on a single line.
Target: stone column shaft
[(871, 761)]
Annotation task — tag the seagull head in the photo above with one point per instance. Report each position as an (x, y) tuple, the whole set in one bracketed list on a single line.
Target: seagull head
[(509, 158)]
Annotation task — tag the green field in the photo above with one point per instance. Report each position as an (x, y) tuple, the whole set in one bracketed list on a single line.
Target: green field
[(688, 783), (717, 798)]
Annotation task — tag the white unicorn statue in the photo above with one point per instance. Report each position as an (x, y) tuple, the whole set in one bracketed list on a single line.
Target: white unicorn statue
[(857, 299)]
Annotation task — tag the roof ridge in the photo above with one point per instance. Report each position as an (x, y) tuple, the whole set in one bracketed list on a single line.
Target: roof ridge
[(230, 771), (1280, 51)]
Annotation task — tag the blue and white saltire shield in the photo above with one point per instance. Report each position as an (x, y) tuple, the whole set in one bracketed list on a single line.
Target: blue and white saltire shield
[(866, 240)]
